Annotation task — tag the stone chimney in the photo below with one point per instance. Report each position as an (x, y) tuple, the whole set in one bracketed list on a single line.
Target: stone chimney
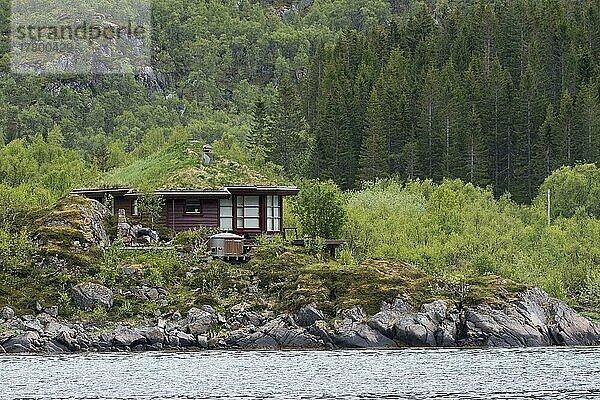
[(207, 157)]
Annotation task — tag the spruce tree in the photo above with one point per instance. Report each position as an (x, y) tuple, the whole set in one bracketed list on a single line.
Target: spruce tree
[(588, 123), (397, 109), (565, 131), (259, 136), (530, 117), (546, 147), (476, 151), (334, 153), (286, 142), (497, 119), (373, 162)]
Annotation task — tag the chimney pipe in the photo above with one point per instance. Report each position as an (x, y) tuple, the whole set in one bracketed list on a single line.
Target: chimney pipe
[(207, 154)]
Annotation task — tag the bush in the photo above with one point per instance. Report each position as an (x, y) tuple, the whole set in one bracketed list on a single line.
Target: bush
[(16, 251), (572, 189), (320, 209)]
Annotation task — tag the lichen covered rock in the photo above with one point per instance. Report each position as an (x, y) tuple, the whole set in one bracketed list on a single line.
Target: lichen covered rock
[(76, 224)]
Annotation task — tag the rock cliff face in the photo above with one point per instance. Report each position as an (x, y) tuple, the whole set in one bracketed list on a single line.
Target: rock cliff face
[(534, 319)]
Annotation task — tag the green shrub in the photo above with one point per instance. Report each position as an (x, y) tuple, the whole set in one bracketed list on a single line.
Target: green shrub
[(16, 251), (320, 209)]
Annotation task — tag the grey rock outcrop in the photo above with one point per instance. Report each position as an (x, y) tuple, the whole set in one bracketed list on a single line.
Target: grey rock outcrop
[(535, 319), (74, 214), (432, 325), (88, 296), (25, 342), (308, 315), (360, 335), (275, 334)]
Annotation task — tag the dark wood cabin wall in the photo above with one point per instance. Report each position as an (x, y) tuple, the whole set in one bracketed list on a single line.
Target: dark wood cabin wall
[(177, 219)]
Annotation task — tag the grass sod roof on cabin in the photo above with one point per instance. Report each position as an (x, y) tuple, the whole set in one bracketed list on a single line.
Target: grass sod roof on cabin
[(180, 166)]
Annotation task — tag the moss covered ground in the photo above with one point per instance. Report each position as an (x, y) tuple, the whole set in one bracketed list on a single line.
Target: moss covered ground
[(277, 279), (180, 166)]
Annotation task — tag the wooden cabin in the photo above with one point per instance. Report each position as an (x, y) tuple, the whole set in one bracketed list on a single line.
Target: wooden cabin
[(243, 210)]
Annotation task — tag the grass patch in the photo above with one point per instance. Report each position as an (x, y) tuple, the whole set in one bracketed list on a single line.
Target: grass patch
[(180, 166)]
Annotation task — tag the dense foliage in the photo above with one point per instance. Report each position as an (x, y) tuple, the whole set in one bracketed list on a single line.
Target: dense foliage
[(456, 229)]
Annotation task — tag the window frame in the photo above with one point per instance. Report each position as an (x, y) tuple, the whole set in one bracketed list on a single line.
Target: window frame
[(229, 218), (271, 218), (241, 208), (200, 208)]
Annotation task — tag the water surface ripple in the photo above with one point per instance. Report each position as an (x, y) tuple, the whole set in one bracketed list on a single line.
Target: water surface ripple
[(540, 373)]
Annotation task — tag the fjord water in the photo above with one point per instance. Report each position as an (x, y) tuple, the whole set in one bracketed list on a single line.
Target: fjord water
[(542, 373)]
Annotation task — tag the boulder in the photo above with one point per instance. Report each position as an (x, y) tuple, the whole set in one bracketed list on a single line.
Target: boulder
[(203, 342), (126, 337), (185, 339), (7, 313), (200, 320), (355, 314), (308, 315), (55, 328), (52, 311), (152, 294), (53, 346), (88, 296), (25, 342), (153, 335), (32, 325), (67, 339)]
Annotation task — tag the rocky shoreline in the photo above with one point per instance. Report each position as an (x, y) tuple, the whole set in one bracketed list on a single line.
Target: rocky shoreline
[(534, 319)]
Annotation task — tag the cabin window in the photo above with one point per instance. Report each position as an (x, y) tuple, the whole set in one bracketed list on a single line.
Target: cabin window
[(248, 212), (134, 207), (193, 206), (226, 214), (273, 214)]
